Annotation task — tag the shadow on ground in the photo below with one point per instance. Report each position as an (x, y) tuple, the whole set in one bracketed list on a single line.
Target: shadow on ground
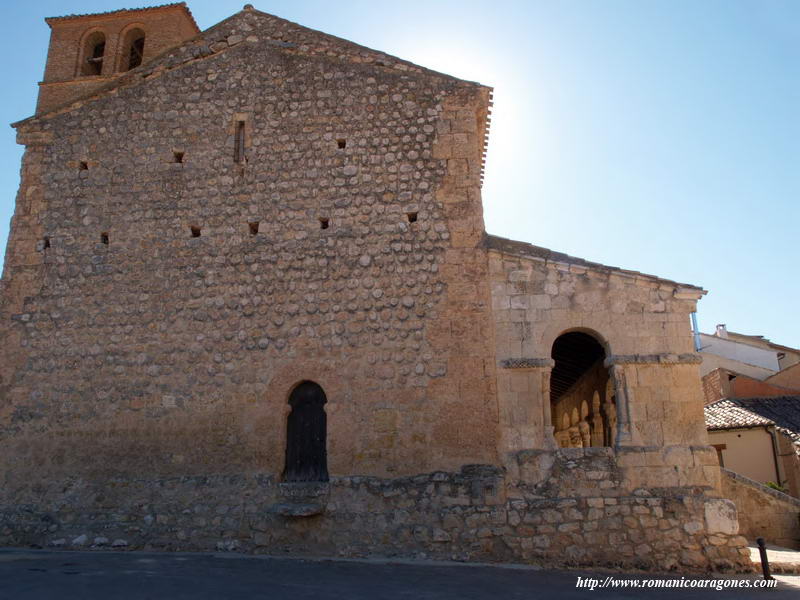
[(34, 574)]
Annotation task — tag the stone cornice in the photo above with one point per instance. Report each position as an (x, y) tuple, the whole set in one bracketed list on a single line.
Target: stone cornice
[(559, 260), (34, 138), (653, 359), (616, 359), (125, 12)]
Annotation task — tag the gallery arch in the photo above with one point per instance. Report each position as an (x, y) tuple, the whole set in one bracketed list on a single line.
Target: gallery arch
[(582, 402)]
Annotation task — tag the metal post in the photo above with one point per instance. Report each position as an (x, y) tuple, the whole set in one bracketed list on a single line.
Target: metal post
[(762, 550)]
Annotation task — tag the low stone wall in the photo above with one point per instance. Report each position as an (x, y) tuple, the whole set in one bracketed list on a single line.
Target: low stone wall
[(607, 518), (763, 512), (579, 515)]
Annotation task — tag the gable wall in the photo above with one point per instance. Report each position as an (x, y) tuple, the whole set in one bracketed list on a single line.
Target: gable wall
[(170, 354)]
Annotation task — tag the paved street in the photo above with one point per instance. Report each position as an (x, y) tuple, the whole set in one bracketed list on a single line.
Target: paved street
[(32, 574)]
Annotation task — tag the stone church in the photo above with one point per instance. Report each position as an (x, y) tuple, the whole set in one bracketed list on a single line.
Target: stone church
[(249, 303)]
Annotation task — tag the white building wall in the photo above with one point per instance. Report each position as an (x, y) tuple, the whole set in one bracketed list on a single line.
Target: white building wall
[(752, 361)]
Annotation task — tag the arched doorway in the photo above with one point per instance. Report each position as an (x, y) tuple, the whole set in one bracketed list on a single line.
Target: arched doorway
[(579, 378), (306, 435)]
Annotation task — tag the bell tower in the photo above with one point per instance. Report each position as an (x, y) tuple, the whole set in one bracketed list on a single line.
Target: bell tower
[(87, 51)]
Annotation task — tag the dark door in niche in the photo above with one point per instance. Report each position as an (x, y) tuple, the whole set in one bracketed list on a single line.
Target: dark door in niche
[(306, 435)]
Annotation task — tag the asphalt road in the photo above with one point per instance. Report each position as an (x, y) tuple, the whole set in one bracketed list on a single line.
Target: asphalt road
[(34, 574)]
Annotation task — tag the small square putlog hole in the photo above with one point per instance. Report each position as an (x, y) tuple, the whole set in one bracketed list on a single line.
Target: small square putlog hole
[(104, 238), (253, 227), (341, 143), (177, 157), (83, 166), (324, 223), (45, 242), (195, 231), (412, 217)]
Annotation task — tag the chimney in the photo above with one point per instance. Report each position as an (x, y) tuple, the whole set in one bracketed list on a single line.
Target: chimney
[(722, 331)]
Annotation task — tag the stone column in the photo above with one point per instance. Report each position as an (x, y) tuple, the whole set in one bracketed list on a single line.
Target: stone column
[(575, 440), (597, 422), (561, 439), (622, 395), (546, 370), (585, 431), (111, 55)]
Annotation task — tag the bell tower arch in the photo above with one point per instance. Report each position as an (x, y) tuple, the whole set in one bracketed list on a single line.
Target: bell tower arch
[(86, 51)]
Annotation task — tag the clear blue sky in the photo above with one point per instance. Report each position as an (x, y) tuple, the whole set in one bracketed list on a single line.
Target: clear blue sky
[(660, 136)]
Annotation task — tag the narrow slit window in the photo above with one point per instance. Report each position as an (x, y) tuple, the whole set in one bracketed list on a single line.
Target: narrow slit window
[(253, 227), (83, 165), (238, 140), (341, 143), (195, 231), (177, 157), (45, 242), (324, 223), (412, 217), (104, 238)]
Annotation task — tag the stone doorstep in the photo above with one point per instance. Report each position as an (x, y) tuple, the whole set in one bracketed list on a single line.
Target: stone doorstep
[(301, 490), (297, 509), (781, 560), (301, 499)]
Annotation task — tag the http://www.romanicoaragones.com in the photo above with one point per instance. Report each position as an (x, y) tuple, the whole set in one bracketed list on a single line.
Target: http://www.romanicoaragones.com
[(609, 582)]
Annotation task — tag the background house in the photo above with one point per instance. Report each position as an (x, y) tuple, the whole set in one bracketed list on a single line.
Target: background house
[(758, 438), (746, 366), (752, 395)]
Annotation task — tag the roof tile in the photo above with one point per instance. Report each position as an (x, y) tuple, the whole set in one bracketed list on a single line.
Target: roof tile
[(109, 13), (781, 411)]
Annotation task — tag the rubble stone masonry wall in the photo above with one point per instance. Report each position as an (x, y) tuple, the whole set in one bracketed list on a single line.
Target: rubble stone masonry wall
[(571, 507), (163, 353), (763, 512)]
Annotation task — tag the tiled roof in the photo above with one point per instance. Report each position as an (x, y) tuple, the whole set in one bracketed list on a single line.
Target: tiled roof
[(729, 414), (781, 411), (126, 10)]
